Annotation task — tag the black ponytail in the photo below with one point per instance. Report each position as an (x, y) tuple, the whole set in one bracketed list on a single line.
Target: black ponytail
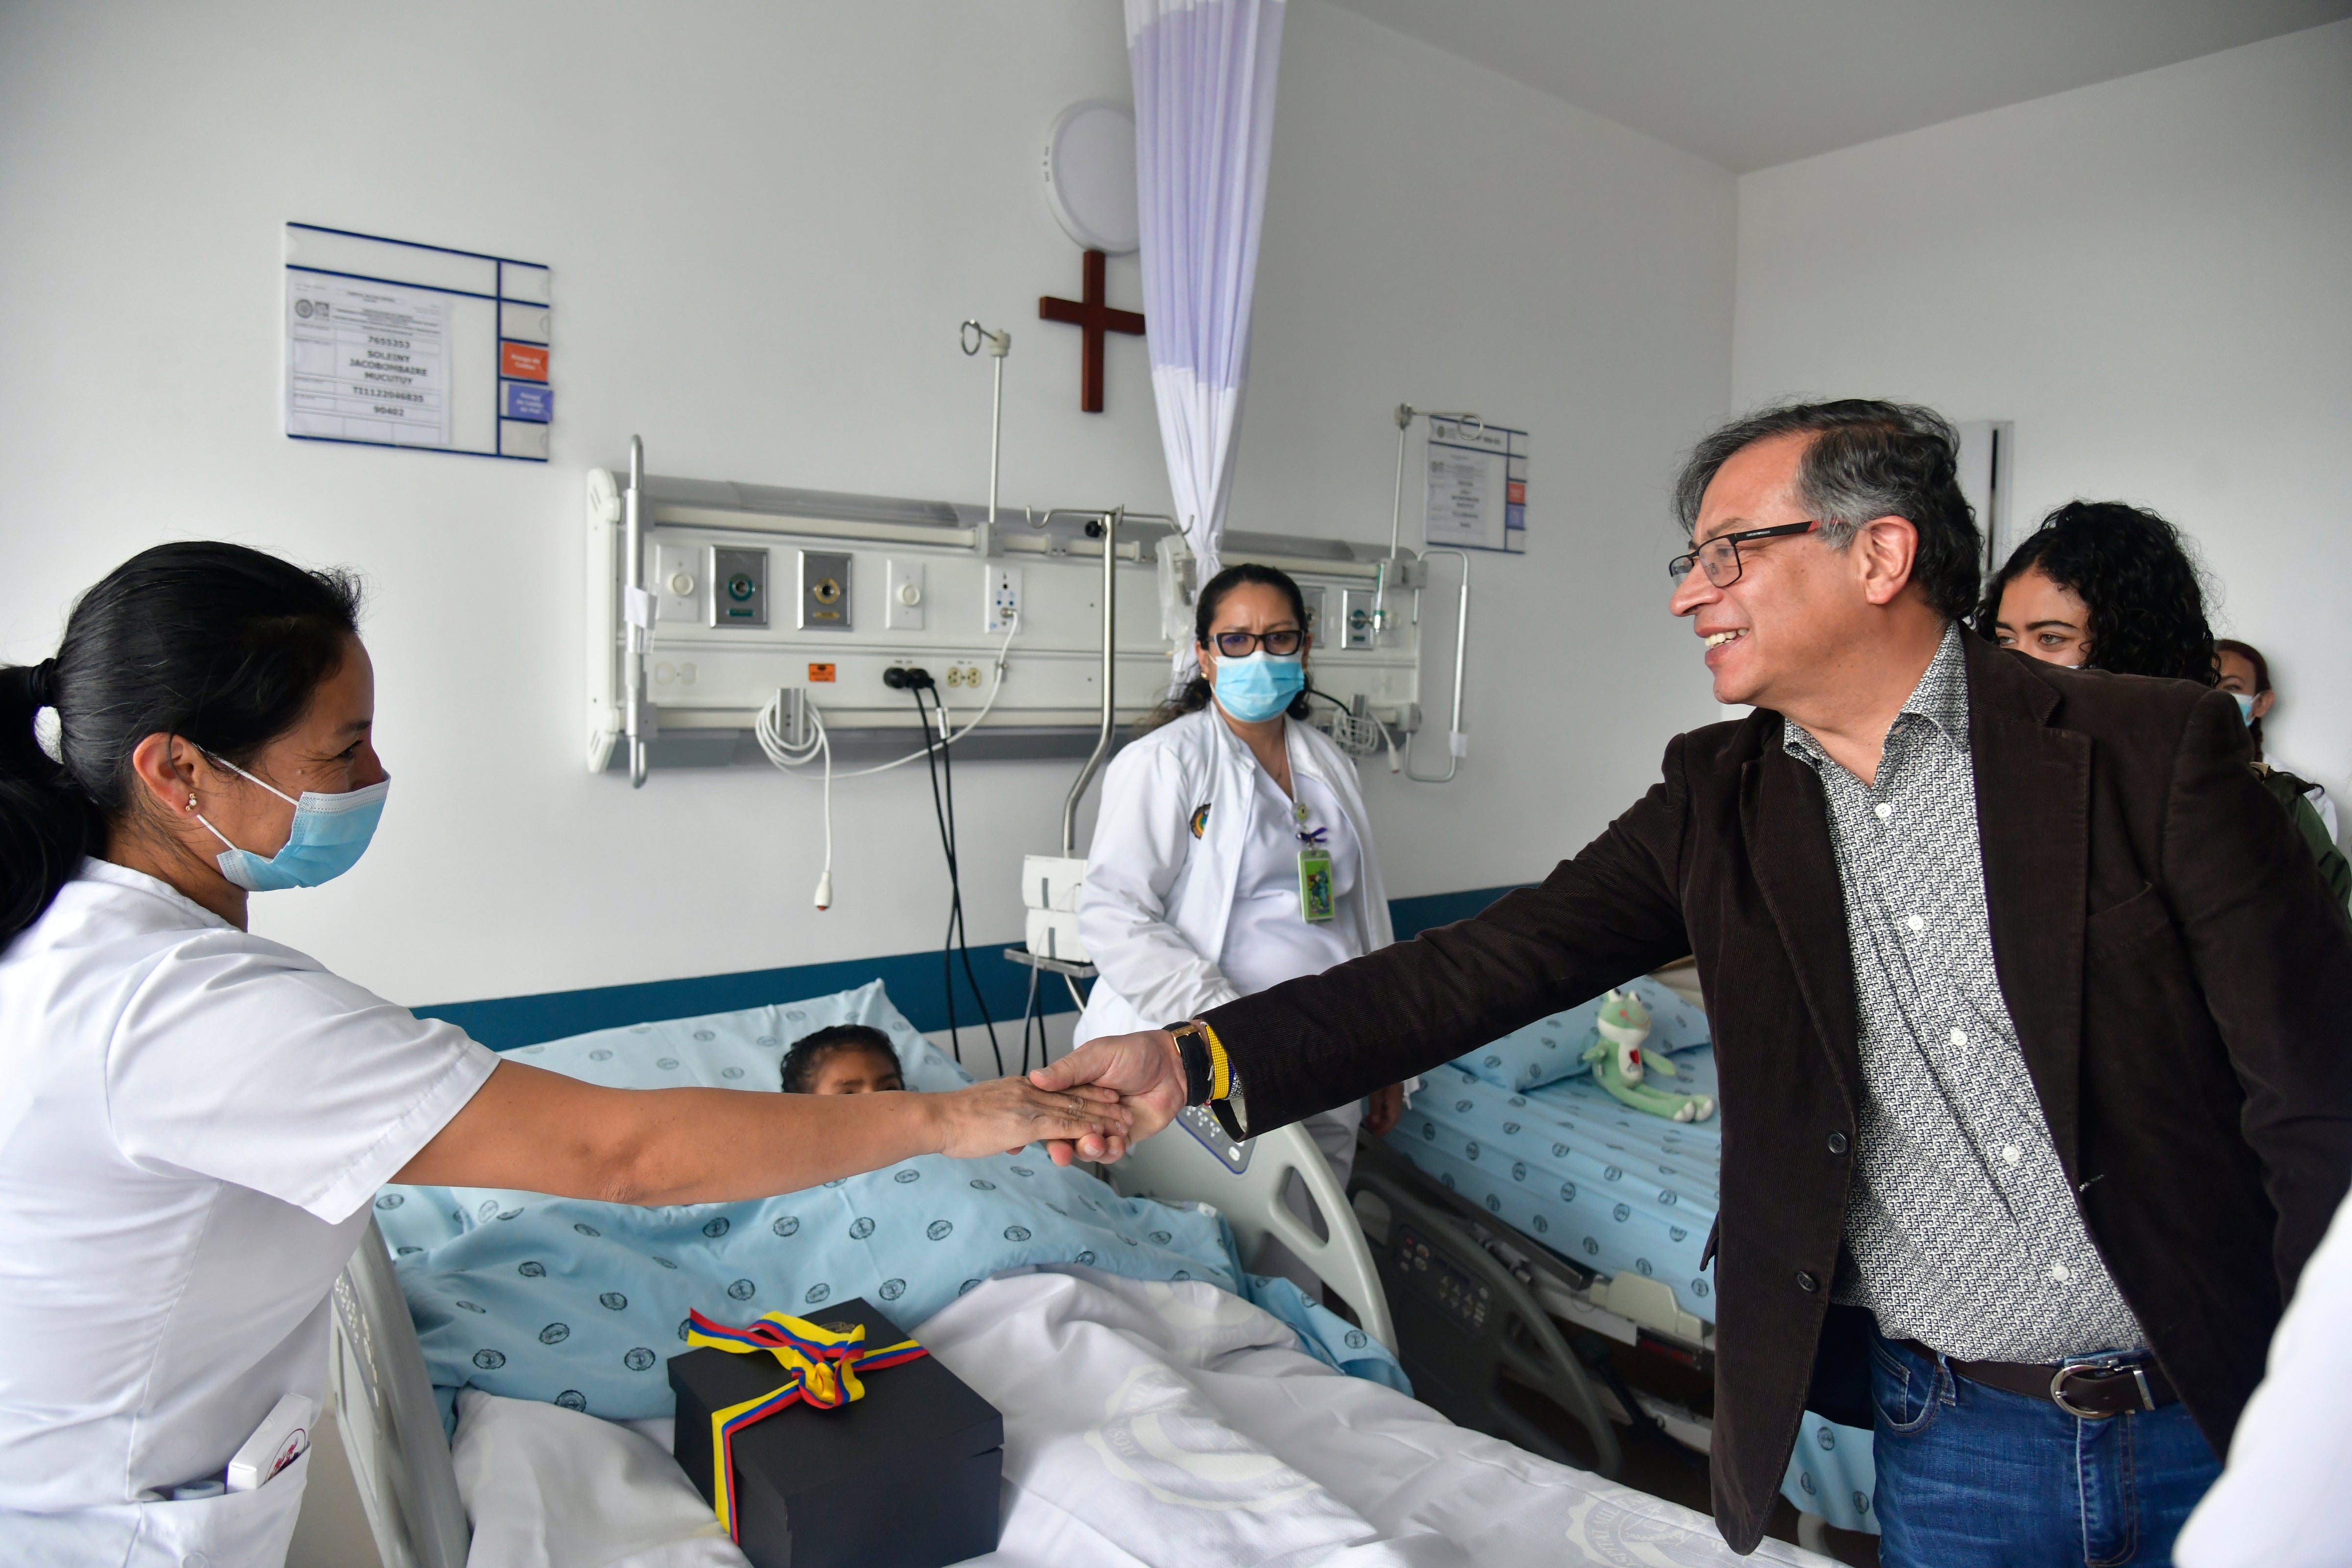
[(1197, 690), (215, 642)]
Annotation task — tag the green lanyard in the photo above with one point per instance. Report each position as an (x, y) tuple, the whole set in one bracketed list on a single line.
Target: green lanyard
[(1315, 905)]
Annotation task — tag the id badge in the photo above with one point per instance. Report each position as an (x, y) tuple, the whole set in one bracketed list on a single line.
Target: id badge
[(1314, 885)]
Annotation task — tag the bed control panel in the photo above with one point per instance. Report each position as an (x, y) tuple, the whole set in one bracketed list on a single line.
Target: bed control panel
[(1438, 1279), (1197, 1120)]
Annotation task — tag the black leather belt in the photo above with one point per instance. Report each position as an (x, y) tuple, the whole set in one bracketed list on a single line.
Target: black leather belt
[(2092, 1390)]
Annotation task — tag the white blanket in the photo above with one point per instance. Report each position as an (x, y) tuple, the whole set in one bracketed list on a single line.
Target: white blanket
[(1144, 1424)]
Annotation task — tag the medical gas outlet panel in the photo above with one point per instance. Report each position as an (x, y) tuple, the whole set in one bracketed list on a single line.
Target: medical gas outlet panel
[(748, 591)]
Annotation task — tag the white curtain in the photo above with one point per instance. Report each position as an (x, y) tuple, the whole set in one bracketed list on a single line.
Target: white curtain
[(1204, 75)]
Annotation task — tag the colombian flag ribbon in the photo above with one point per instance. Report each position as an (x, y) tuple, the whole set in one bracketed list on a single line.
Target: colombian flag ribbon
[(821, 1365)]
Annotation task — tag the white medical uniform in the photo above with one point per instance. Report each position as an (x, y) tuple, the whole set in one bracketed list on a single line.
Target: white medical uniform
[(192, 1123), (2280, 1500), (1192, 890)]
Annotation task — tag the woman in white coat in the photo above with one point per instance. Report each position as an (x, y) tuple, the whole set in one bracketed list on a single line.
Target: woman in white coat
[(194, 1120), (1232, 851)]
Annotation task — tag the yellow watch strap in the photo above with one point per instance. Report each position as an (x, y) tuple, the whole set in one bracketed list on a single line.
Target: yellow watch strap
[(1220, 1071)]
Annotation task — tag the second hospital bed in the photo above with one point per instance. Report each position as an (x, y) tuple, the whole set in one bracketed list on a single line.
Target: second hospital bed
[(1600, 1213), (1174, 1421)]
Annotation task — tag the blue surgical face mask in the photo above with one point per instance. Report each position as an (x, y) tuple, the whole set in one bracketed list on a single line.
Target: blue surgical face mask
[(330, 833), (1256, 689), (2246, 701)]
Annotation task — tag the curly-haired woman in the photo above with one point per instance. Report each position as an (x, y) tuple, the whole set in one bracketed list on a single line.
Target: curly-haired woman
[(2111, 586)]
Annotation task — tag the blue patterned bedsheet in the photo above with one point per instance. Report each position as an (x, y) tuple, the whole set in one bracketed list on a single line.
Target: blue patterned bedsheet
[(580, 1303), (1595, 1180)]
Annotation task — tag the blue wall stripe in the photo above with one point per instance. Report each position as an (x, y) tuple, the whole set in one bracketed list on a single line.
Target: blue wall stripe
[(913, 980)]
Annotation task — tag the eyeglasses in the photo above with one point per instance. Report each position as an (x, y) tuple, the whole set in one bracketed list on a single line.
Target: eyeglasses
[(1281, 642), (1719, 556)]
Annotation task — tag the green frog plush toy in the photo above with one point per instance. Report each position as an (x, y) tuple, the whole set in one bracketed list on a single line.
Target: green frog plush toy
[(1619, 1066)]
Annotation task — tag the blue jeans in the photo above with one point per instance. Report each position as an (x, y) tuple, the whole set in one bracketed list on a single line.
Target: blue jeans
[(1971, 1476)]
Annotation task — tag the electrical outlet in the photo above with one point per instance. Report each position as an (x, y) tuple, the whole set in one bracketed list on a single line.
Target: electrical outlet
[(904, 605), (1002, 588)]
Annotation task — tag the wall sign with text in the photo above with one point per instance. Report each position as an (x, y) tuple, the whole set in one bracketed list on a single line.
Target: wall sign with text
[(394, 344), (1477, 494)]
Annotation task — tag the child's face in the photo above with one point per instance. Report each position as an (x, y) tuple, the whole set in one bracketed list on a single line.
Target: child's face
[(856, 1072)]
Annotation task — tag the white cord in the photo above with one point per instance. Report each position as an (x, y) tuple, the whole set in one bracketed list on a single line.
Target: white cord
[(767, 729), (947, 738), (1348, 731)]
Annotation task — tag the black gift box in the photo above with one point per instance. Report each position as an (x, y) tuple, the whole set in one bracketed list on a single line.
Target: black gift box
[(905, 1478)]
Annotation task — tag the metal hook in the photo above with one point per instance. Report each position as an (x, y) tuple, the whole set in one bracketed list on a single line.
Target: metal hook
[(971, 335)]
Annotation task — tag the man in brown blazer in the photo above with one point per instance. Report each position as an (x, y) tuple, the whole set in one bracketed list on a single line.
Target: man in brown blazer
[(2032, 1019)]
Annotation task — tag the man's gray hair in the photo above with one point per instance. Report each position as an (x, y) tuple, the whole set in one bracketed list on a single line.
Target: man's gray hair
[(1868, 459)]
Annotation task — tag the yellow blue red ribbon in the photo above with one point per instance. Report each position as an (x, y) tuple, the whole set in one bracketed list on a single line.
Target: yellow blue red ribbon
[(823, 1364)]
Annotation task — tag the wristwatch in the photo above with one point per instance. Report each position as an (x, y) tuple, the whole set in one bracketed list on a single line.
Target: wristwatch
[(1209, 1077)]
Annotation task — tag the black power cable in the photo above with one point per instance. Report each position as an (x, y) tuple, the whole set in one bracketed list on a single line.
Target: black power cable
[(963, 936), (1031, 1018), (939, 759)]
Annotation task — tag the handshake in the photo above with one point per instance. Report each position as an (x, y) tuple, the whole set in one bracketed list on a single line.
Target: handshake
[(1129, 1087), (1142, 1072)]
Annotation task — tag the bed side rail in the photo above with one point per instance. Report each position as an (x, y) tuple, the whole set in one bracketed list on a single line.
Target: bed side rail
[(389, 1421), (1468, 1317), (1174, 1165)]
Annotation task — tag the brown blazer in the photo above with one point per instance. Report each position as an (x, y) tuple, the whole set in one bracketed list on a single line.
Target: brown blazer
[(2180, 982)]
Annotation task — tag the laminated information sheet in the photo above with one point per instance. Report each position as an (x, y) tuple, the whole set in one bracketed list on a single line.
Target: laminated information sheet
[(366, 362), (1477, 489), (390, 343)]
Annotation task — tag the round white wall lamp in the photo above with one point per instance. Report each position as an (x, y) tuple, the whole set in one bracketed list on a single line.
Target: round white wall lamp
[(1091, 175)]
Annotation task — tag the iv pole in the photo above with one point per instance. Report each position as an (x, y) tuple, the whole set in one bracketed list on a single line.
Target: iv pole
[(1109, 526), (970, 335), (637, 611), (1456, 741), (1405, 414)]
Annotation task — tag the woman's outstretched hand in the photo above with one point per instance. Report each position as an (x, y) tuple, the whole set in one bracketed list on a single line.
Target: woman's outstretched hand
[(1008, 1114), (1142, 1072)]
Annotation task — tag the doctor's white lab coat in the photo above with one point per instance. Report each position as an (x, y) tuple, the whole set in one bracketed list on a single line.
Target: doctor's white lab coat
[(1166, 854)]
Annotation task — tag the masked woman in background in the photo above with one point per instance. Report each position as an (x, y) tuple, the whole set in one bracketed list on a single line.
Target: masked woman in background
[(2246, 676), (193, 1119), (1232, 851), (2110, 586)]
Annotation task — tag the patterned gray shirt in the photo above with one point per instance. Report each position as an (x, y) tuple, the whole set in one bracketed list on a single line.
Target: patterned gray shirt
[(1959, 1230)]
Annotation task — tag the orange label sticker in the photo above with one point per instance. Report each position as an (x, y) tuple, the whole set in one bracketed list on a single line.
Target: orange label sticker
[(1518, 493), (523, 361), (820, 672)]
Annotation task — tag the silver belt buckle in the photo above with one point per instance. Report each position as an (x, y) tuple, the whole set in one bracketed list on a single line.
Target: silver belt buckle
[(2105, 1368)]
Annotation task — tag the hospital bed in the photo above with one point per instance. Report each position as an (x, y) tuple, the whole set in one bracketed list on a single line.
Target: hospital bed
[(1570, 1208), (393, 1427), (391, 1424)]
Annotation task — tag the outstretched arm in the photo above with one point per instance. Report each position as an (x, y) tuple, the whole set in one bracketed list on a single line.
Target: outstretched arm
[(544, 1132), (1610, 913)]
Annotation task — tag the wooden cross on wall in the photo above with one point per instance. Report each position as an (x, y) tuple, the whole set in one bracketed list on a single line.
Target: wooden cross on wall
[(1095, 318)]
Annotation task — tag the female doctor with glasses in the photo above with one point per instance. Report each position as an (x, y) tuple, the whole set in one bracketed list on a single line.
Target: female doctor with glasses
[(1232, 851), (193, 1119)]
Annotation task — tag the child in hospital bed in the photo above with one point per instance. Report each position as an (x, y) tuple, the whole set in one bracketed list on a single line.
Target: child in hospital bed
[(845, 1059)]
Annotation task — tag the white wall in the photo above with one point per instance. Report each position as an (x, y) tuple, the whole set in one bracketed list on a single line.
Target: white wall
[(2153, 278), (764, 223)]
